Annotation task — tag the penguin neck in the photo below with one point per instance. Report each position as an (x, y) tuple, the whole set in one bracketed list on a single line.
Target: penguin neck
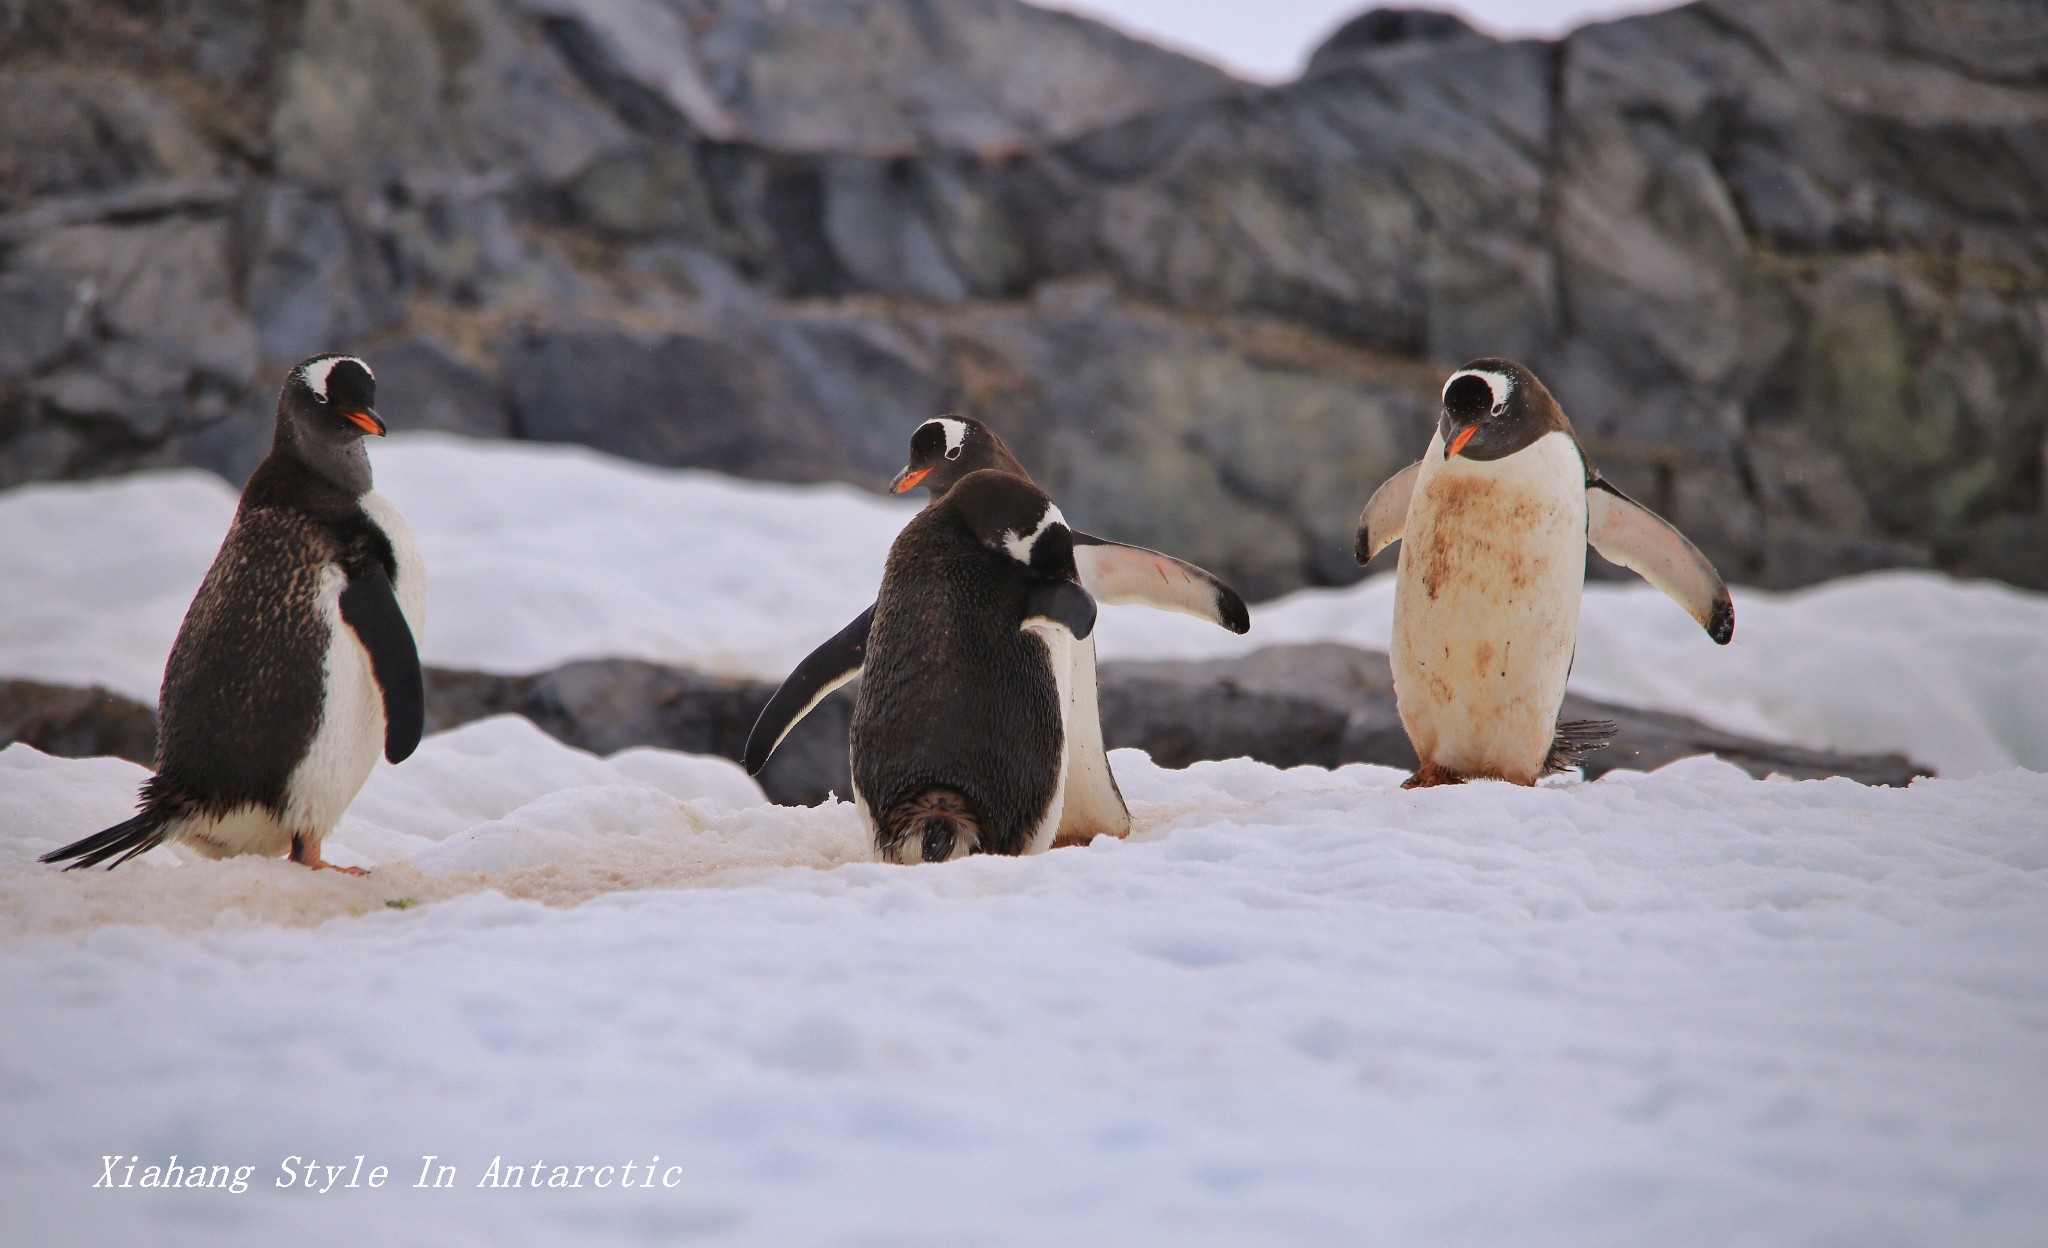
[(999, 459), (343, 464), (287, 479)]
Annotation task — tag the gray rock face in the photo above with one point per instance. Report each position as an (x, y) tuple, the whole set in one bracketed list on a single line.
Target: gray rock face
[(437, 388), (1153, 428), (1376, 30), (1783, 261), (873, 76)]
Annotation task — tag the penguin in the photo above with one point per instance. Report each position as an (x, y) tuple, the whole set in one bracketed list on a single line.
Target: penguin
[(943, 451), (298, 661), (959, 743), (1494, 521)]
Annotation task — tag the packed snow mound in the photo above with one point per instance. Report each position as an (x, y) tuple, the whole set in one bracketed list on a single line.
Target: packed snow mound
[(1295, 1007), (538, 555), (493, 804)]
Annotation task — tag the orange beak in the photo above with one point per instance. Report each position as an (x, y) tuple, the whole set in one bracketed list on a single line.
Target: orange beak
[(908, 480), (1458, 443), (368, 422)]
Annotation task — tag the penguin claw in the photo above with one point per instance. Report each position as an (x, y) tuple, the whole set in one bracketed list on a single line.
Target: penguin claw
[(307, 854), (1430, 775)]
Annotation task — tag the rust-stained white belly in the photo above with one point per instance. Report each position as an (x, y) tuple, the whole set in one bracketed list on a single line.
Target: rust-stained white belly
[(1486, 606)]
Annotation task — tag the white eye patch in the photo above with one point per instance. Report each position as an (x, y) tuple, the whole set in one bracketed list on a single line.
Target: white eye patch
[(956, 434), (1500, 384), (1021, 545), (315, 372)]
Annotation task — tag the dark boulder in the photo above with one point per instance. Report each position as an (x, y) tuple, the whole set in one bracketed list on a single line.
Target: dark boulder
[(607, 705), (76, 723)]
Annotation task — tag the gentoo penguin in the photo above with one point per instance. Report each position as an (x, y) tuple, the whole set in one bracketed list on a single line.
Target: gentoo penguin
[(1494, 521), (298, 663), (958, 742), (942, 452)]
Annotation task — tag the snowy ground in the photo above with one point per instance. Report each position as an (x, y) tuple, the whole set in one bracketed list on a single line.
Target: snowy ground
[(1297, 1007)]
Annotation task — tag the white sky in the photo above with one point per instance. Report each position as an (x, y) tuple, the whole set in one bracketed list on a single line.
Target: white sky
[(1269, 40)]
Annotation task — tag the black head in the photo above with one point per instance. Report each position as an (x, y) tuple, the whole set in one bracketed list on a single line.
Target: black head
[(326, 407), (1493, 408), (947, 448), (1013, 517)]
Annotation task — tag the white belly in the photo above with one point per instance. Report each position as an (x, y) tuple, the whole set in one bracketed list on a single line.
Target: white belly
[(1093, 806), (1486, 606), (243, 830), (1060, 646), (350, 737), (411, 581)]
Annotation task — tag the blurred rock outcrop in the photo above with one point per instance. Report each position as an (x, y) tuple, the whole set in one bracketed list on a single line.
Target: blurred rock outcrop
[(76, 723), (1785, 261)]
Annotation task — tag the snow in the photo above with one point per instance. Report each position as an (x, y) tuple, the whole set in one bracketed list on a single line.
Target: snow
[(1296, 1007), (538, 555)]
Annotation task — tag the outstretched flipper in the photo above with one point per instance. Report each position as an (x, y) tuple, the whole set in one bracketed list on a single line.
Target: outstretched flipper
[(370, 607), (1630, 534), (823, 670), (1577, 738), (1063, 603), (1386, 514), (1115, 573)]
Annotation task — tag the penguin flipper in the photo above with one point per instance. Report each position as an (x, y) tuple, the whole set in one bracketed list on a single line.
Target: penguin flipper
[(1115, 573), (1386, 514), (1063, 603), (823, 670), (369, 605), (1630, 534), (144, 832)]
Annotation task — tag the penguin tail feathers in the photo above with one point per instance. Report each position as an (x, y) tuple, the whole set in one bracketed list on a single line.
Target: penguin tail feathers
[(144, 832), (937, 836), (934, 825), (1577, 738)]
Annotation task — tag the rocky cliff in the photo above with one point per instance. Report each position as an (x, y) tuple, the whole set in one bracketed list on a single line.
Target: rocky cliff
[(1785, 261)]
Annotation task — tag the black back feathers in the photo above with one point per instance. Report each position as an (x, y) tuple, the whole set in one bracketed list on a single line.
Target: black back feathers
[(957, 694)]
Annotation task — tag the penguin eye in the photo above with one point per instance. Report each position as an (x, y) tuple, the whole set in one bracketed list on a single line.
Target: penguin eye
[(1500, 409), (953, 452)]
